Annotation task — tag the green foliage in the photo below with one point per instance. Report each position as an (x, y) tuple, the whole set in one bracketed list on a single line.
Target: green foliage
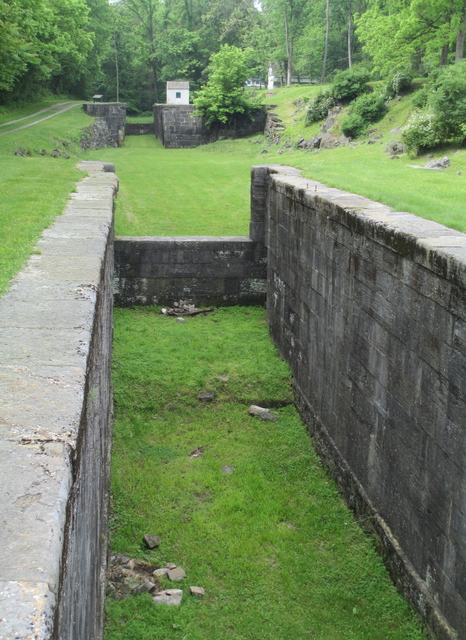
[(318, 107), (448, 100), (223, 96), (364, 110), (43, 44), (353, 125), (420, 98), (422, 132), (350, 84), (400, 83), (370, 106)]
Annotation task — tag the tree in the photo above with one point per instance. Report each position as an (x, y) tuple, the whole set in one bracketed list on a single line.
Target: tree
[(399, 34), (223, 96), (289, 18)]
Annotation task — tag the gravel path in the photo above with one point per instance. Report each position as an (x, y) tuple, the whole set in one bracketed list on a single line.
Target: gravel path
[(69, 105)]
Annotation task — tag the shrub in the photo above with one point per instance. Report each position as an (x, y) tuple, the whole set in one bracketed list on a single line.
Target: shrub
[(353, 125), (422, 132), (370, 106), (350, 84), (447, 100), (319, 106), (420, 98), (400, 83)]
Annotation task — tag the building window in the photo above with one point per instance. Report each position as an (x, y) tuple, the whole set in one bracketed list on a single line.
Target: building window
[(178, 95)]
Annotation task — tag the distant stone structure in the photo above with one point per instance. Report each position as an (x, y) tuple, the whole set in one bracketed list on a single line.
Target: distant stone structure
[(114, 114), (177, 127), (177, 92)]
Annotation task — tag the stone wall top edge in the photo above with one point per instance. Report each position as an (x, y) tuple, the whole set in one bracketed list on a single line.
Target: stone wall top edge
[(431, 244), (184, 239), (45, 334)]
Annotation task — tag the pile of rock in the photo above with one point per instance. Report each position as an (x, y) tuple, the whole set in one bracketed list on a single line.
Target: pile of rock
[(130, 576)]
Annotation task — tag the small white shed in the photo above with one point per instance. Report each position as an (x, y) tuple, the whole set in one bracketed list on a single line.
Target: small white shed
[(177, 92)]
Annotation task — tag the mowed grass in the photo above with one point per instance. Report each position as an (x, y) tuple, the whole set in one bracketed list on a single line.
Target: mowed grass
[(34, 189), (276, 550), (205, 191), (201, 191)]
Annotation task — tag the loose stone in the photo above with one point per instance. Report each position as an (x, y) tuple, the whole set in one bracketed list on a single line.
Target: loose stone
[(197, 591), (170, 565), (151, 541), (160, 572), (169, 596), (227, 469), (176, 574), (206, 396)]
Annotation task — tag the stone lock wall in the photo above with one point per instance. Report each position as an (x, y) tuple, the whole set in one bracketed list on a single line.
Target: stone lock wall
[(368, 306), (114, 114), (55, 423), (219, 271), (177, 128)]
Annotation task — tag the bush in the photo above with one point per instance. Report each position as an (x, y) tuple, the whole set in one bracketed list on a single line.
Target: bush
[(401, 82), (353, 125), (319, 106), (371, 107), (420, 98), (447, 100), (350, 84), (422, 132), (223, 96)]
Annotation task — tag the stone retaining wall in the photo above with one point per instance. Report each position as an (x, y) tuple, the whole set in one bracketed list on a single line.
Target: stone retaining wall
[(55, 423), (207, 270), (114, 114), (139, 128), (177, 128), (368, 306)]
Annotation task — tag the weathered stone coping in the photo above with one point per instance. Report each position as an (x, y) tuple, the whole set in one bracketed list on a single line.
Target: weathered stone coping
[(47, 321)]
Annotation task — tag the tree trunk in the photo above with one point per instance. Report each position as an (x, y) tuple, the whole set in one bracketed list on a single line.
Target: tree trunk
[(444, 56), (327, 29), (350, 28), (459, 54), (289, 51), (117, 72)]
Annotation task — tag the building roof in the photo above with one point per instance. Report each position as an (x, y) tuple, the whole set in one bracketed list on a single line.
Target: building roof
[(177, 85)]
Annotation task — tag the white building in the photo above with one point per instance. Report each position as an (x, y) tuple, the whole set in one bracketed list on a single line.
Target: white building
[(177, 92)]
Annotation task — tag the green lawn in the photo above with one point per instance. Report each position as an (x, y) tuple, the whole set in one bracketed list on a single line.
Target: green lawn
[(34, 189), (279, 555)]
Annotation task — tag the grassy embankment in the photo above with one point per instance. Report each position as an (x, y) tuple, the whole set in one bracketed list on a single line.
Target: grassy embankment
[(34, 189), (273, 545)]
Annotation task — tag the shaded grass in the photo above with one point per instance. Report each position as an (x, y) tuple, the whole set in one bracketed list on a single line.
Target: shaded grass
[(272, 543)]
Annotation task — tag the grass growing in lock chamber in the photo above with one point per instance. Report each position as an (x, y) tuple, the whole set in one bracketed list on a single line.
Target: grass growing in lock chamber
[(272, 543)]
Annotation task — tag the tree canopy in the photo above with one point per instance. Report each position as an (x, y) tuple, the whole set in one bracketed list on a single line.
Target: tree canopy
[(128, 49)]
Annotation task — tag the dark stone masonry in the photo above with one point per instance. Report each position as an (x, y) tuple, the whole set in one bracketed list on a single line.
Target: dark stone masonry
[(114, 114), (177, 128)]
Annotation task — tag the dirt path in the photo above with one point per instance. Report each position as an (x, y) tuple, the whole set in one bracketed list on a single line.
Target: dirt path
[(33, 115)]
